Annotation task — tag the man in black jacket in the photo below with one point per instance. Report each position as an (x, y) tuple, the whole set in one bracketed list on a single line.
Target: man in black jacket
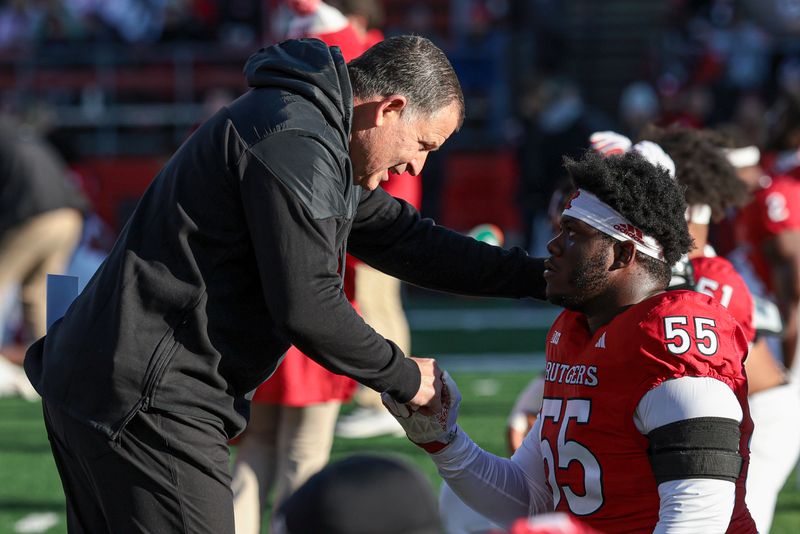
[(234, 253)]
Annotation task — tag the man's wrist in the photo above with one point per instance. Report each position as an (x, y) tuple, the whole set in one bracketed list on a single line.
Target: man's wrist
[(433, 447)]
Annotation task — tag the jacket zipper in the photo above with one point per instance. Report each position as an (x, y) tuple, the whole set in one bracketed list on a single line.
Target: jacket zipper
[(144, 402), (155, 377)]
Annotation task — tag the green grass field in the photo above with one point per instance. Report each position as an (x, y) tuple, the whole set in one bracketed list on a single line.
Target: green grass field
[(29, 483)]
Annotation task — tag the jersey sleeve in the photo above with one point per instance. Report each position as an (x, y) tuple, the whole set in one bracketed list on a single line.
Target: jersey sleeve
[(716, 277), (692, 334), (692, 425), (779, 208)]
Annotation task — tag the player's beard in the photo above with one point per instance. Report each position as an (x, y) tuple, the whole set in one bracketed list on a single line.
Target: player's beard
[(587, 280)]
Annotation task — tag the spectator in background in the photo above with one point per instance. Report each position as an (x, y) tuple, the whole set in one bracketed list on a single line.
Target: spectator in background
[(782, 146), (748, 117), (41, 219), (314, 18), (556, 122), (365, 16), (362, 494), (638, 107), (19, 22)]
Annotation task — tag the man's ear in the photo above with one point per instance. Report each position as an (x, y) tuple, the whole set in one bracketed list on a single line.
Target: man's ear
[(624, 254), (389, 108)]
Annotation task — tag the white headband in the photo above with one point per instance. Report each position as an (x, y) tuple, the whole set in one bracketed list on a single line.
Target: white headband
[(588, 208), (698, 214), (656, 156), (610, 143), (743, 157)]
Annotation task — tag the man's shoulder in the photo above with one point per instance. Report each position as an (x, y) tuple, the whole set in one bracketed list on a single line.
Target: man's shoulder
[(319, 179), (678, 302), (266, 111), (659, 319), (720, 270)]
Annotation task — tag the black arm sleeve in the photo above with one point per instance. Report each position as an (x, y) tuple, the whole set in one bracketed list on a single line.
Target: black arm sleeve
[(390, 235), (702, 447), (298, 263)]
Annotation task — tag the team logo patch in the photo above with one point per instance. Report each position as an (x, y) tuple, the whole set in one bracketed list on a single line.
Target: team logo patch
[(555, 337), (601, 343), (630, 231), (572, 197)]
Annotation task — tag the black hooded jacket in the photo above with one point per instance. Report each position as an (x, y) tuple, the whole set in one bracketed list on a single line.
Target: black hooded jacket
[(234, 253)]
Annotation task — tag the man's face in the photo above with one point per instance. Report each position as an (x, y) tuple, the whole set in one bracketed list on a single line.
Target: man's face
[(577, 272), (751, 176), (398, 144)]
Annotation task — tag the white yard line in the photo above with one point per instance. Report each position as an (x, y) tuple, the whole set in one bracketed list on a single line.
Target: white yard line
[(36, 522)]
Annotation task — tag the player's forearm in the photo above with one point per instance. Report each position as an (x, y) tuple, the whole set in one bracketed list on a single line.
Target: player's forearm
[(492, 486), (695, 505)]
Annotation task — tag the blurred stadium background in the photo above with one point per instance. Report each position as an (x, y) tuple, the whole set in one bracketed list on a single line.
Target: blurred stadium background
[(117, 85)]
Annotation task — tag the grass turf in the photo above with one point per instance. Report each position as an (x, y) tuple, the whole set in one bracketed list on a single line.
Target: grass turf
[(29, 483)]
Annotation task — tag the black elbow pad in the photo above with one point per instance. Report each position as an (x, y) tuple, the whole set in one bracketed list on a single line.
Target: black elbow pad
[(703, 447)]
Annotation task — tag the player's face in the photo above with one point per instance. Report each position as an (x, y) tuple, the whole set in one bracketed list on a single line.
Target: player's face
[(398, 144), (577, 270)]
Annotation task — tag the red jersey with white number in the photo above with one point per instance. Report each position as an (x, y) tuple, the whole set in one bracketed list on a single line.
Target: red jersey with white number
[(715, 276), (594, 382), (773, 210)]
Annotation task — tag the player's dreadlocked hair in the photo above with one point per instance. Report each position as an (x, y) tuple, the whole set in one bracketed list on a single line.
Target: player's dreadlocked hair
[(701, 167), (646, 195)]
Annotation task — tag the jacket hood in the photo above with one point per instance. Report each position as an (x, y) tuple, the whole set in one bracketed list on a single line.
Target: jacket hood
[(309, 68)]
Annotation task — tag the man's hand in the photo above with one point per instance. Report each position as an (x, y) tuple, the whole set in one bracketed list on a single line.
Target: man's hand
[(428, 395), (431, 430)]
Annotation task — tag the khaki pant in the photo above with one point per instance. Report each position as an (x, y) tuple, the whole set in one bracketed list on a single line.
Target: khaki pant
[(281, 448), (379, 300), (44, 244)]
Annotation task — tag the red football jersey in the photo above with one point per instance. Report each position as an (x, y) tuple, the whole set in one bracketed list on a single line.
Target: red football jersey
[(596, 459), (716, 277), (773, 210)]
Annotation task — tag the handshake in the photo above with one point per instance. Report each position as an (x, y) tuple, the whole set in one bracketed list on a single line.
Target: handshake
[(429, 419)]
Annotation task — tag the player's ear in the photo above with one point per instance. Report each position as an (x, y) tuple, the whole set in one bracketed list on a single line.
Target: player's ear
[(624, 254)]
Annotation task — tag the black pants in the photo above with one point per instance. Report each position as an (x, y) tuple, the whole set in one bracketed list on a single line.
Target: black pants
[(166, 473)]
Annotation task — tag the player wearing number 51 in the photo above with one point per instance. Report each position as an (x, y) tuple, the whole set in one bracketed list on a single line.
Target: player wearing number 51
[(645, 423)]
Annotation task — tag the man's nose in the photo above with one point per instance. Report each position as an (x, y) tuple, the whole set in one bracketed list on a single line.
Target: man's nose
[(554, 245), (415, 165)]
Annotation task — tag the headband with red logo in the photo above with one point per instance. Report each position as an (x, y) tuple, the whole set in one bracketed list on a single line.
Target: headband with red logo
[(588, 208)]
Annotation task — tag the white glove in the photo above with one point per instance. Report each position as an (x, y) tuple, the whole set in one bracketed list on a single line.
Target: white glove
[(431, 432), (655, 155), (609, 143)]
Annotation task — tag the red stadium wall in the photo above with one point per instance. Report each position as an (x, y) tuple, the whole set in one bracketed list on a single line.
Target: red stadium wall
[(481, 187), (115, 185)]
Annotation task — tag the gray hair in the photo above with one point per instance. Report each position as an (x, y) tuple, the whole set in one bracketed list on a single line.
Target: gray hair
[(411, 66)]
